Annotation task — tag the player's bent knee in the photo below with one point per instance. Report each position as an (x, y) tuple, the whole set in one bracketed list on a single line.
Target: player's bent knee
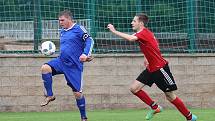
[(78, 95), (46, 69), (133, 89), (136, 86), (170, 96)]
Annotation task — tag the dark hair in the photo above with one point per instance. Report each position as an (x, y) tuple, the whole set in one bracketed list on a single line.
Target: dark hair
[(65, 13), (143, 17)]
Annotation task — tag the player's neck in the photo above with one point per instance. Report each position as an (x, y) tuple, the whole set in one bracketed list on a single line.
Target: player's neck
[(70, 26), (141, 28)]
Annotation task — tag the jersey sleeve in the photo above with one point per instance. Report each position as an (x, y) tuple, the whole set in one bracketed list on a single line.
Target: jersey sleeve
[(141, 36), (88, 40)]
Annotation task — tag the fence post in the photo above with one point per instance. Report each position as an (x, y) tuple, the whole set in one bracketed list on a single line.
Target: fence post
[(91, 16), (191, 25), (37, 24)]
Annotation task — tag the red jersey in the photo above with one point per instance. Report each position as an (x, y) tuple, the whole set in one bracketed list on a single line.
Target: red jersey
[(150, 48)]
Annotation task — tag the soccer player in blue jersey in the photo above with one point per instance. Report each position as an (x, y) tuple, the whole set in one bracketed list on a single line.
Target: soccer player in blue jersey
[(75, 49)]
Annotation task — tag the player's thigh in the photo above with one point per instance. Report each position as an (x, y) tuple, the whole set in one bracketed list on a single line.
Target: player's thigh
[(164, 79), (74, 78), (56, 66)]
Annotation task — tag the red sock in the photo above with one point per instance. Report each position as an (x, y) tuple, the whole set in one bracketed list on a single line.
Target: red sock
[(146, 99), (182, 108)]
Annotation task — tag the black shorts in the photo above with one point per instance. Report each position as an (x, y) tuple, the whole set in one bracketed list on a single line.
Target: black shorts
[(162, 78)]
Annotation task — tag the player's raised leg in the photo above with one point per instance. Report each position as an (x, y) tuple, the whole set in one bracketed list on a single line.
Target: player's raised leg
[(137, 89), (47, 81), (178, 103)]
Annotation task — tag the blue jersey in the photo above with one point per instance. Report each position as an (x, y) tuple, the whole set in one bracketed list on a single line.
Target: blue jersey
[(74, 42)]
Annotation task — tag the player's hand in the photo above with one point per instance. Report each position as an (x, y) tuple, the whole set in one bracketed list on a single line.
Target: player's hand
[(89, 58), (111, 27), (85, 58)]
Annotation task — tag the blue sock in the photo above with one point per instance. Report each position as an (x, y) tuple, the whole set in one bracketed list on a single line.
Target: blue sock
[(81, 106), (47, 81)]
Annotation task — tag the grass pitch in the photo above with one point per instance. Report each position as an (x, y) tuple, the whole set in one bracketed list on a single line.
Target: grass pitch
[(107, 115)]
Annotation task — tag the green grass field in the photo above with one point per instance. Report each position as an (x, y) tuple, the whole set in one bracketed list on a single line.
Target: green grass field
[(106, 115)]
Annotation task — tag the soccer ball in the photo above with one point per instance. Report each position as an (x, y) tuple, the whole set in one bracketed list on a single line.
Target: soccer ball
[(48, 48)]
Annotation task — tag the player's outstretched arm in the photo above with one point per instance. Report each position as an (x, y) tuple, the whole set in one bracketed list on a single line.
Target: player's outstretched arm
[(120, 34)]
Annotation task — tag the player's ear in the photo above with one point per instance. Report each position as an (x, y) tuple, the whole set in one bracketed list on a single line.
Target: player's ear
[(141, 23)]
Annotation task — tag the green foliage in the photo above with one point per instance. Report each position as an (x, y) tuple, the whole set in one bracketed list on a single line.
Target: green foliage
[(15, 10), (118, 12), (185, 25)]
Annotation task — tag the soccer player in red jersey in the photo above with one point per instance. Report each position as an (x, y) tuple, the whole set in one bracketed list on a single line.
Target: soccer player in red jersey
[(157, 70)]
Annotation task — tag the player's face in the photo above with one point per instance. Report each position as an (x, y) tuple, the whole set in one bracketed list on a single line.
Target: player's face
[(136, 24), (64, 22)]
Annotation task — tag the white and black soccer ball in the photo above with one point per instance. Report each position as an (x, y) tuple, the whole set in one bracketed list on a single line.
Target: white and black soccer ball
[(48, 48)]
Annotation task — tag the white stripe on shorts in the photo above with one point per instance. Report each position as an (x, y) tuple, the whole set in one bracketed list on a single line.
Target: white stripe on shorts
[(167, 76), (82, 82)]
